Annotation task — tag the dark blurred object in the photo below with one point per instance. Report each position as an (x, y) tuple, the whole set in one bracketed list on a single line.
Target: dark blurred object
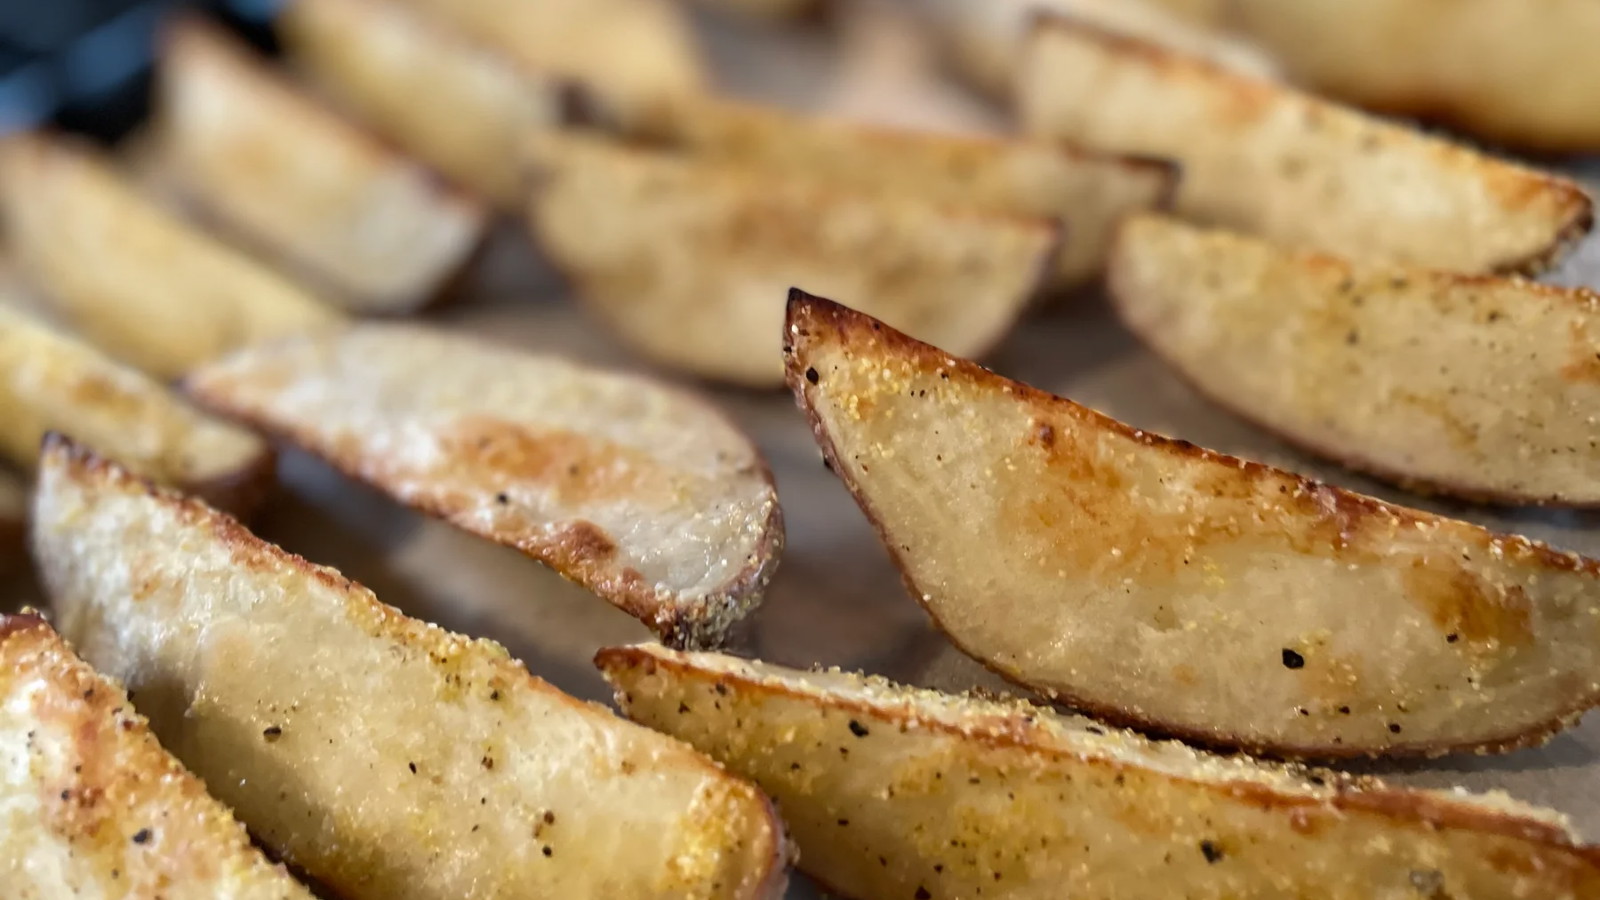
[(85, 65)]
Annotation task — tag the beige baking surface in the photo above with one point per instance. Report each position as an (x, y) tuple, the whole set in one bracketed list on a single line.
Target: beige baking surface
[(836, 598)]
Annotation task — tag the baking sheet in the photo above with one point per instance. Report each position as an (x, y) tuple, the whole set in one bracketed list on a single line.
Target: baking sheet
[(836, 599)]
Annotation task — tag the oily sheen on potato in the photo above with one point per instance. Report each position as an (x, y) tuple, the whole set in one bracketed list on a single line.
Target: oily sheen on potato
[(132, 278), (92, 805), (896, 792), (709, 300), (1265, 159), (302, 184), (643, 493), (1161, 585), (1089, 193), (385, 757), (1483, 387), (51, 381)]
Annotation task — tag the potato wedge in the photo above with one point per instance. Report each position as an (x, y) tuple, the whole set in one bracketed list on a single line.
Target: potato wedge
[(632, 53), (983, 38), (452, 102), (307, 188), (1089, 192), (50, 381), (1160, 585), (897, 792), (92, 806), (133, 279), (383, 756), (1514, 72), (13, 521), (1300, 171), (641, 493), (767, 10), (1481, 387), (708, 301)]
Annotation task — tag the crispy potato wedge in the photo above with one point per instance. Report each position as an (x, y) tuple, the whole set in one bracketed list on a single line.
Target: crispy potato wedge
[(50, 381), (644, 494), (708, 301), (306, 187), (13, 521), (92, 806), (1089, 192), (1300, 171), (983, 38), (632, 53), (1482, 387), (1157, 584), (897, 792), (1514, 72), (452, 102), (133, 279), (383, 756)]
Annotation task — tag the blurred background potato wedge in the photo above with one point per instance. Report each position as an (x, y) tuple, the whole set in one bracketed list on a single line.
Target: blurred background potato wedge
[(1509, 71), (455, 103), (1265, 159), (767, 10), (50, 381), (709, 300), (383, 756), (1481, 387), (130, 276), (1088, 192), (94, 807), (1160, 585), (642, 493), (897, 792), (307, 188)]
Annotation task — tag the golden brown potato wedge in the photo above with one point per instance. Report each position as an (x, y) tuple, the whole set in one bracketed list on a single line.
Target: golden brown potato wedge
[(897, 792), (91, 804), (1265, 159), (1089, 192), (1514, 72), (454, 103), (1478, 386), (13, 521), (133, 279), (709, 300), (983, 38), (306, 187), (1161, 585), (383, 756), (644, 494), (632, 53), (50, 381)]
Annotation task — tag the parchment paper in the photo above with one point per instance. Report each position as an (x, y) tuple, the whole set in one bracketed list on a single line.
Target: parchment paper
[(836, 599)]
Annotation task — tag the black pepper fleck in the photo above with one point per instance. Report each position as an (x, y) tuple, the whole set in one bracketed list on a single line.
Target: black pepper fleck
[(1394, 727), (142, 836), (1293, 660), (412, 766), (1452, 638), (1211, 852), (858, 729), (548, 852), (922, 893), (272, 733), (502, 498), (811, 375)]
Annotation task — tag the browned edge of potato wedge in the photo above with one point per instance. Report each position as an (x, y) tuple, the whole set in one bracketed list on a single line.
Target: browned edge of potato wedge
[(1089, 192), (52, 381), (645, 494), (458, 104), (770, 11), (95, 806), (1266, 159), (1480, 387), (364, 747), (159, 293), (303, 185), (1171, 588), (709, 301), (1514, 72), (897, 792)]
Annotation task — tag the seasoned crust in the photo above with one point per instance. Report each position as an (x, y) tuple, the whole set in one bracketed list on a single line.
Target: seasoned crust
[(1036, 769), (306, 747), (102, 807), (1473, 386), (641, 493), (1263, 158), (1344, 518)]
